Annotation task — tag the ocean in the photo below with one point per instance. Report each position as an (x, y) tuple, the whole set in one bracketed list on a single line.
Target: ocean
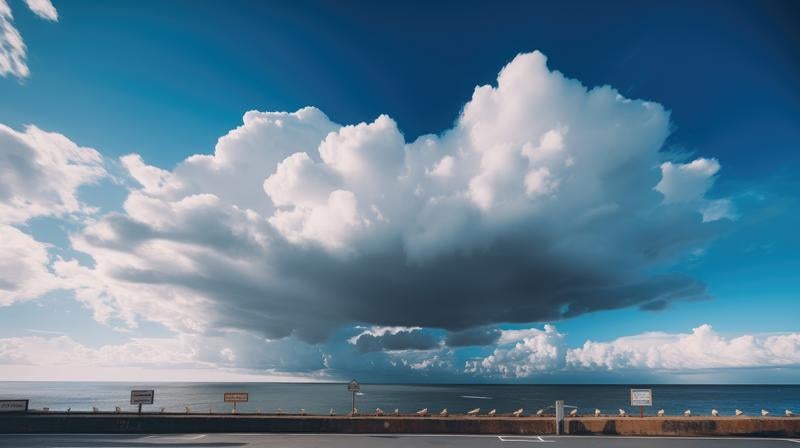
[(320, 398)]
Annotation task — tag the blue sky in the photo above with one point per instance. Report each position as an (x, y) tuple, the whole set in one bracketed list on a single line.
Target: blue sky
[(415, 238)]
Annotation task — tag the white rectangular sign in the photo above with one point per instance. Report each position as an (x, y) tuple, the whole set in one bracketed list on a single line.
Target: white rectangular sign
[(235, 397), (641, 397), (13, 405), (142, 396)]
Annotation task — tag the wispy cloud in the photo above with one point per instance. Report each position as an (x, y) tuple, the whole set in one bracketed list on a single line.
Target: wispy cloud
[(13, 52)]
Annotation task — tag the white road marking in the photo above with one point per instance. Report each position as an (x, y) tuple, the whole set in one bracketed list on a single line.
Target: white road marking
[(538, 439)]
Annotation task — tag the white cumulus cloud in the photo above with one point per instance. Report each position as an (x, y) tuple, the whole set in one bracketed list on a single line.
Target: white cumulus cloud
[(538, 204), (40, 173), (703, 348), (522, 353), (528, 352), (689, 182), (24, 265)]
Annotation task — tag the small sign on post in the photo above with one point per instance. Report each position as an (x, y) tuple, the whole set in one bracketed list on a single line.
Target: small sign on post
[(236, 397), (641, 398), (353, 387), (141, 397), (13, 405)]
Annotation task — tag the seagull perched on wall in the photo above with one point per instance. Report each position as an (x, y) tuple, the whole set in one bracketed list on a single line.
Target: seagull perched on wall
[(714, 413), (573, 412), (332, 412), (517, 413), (423, 412), (396, 411), (475, 411), (597, 412), (302, 411), (789, 413), (540, 412), (492, 413), (378, 412), (444, 413), (660, 413), (622, 413), (738, 413), (187, 409), (764, 413), (687, 413)]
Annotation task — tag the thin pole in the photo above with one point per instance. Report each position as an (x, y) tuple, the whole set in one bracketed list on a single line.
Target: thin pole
[(140, 409), (353, 412)]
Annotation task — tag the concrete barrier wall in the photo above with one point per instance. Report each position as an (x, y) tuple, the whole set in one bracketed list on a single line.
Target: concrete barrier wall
[(183, 423), (686, 426)]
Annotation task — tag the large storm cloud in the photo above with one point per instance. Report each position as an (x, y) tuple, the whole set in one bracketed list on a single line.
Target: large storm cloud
[(545, 200)]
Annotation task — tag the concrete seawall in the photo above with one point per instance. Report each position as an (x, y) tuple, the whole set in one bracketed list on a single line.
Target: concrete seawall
[(197, 423), (183, 423), (686, 426)]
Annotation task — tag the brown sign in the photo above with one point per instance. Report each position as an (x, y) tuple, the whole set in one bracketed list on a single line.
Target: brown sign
[(236, 397), (142, 396)]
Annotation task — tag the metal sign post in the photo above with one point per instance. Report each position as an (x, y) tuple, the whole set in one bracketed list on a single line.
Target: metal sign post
[(641, 398), (235, 397), (140, 397), (559, 416), (353, 387)]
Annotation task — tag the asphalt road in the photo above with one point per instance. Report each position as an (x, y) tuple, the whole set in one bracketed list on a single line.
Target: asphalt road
[(377, 441)]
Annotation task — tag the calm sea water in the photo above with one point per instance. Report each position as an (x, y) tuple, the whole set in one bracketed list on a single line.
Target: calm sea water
[(320, 398)]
